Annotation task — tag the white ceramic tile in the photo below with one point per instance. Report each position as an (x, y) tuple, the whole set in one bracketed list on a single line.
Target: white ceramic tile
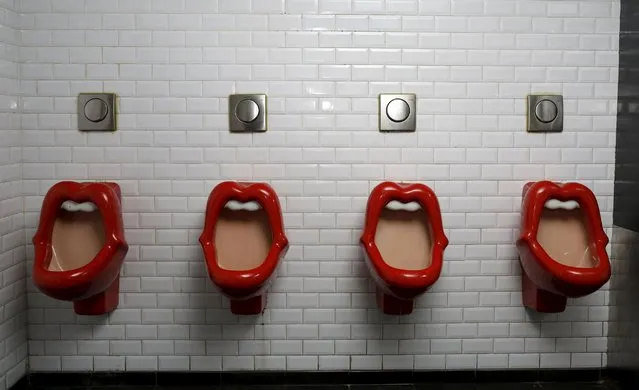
[(322, 62), (12, 203)]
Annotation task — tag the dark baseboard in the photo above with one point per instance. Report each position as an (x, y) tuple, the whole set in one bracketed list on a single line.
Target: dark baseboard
[(193, 379), (20, 384), (625, 377)]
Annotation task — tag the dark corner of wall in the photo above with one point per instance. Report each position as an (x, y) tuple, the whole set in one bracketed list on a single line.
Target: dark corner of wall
[(626, 202), (623, 325)]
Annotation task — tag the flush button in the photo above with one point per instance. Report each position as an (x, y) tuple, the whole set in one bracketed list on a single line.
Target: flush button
[(96, 110), (546, 111), (397, 110), (247, 111)]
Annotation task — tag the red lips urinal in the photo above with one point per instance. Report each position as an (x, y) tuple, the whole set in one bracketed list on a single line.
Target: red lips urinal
[(403, 243), (243, 240), (80, 246), (562, 246)]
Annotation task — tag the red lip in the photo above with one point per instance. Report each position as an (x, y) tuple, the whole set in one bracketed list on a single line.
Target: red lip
[(379, 198), (536, 195), (81, 282), (243, 192)]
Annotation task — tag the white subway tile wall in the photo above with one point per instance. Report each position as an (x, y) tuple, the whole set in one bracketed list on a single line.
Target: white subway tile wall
[(322, 64), (13, 297)]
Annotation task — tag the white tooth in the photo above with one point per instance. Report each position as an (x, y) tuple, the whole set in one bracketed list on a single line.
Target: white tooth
[(555, 204), (86, 207), (396, 205), (241, 206)]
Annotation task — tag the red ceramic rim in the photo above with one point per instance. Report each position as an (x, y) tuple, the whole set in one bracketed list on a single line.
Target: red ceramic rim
[(107, 199), (379, 198), (533, 205), (243, 192)]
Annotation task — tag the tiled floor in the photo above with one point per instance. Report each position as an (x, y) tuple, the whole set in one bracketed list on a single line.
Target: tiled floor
[(426, 386)]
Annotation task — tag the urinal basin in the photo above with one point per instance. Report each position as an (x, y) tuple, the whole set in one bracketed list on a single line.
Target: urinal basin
[(243, 240), (80, 246), (403, 243), (562, 245)]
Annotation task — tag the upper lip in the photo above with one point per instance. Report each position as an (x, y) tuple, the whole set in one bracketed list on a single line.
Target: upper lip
[(244, 192), (537, 196), (106, 201), (405, 193)]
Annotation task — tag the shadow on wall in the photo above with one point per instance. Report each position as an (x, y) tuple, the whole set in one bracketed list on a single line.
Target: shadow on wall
[(623, 333)]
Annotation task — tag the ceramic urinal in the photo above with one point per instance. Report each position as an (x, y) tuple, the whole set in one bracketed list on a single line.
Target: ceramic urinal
[(243, 241), (562, 246), (403, 243), (80, 246)]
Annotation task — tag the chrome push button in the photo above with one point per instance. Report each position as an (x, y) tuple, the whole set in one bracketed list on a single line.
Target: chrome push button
[(397, 112)]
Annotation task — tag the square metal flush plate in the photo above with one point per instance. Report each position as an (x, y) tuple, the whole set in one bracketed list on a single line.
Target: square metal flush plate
[(397, 112), (545, 113), (96, 112), (247, 113)]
